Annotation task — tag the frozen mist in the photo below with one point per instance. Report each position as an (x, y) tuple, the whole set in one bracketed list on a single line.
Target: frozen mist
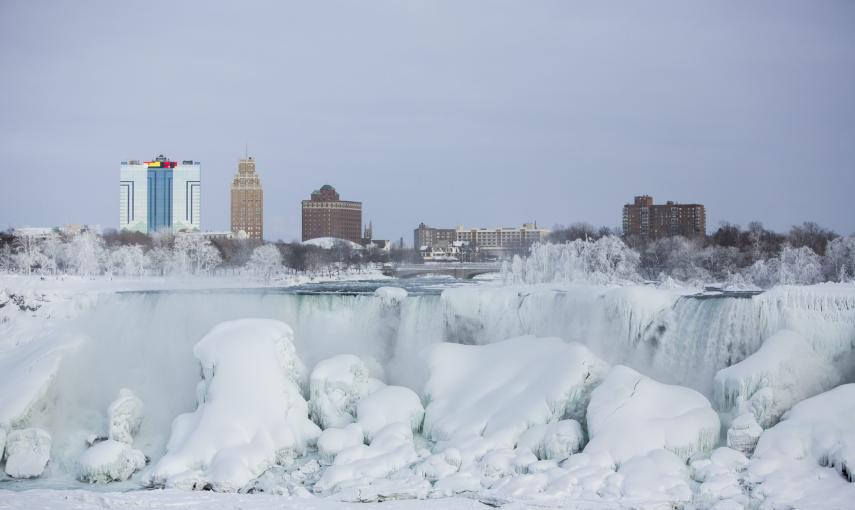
[(87, 347)]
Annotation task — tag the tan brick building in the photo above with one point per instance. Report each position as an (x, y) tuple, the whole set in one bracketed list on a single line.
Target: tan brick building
[(325, 215), (644, 220), (247, 201)]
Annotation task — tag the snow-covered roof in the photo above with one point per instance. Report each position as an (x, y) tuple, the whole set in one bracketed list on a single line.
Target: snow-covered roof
[(330, 242)]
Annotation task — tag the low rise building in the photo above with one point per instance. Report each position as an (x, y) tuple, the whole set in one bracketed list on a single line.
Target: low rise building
[(463, 243)]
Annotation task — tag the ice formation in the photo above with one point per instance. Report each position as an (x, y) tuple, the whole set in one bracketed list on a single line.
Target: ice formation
[(553, 441), (743, 433), (631, 414), (251, 413), (782, 372), (125, 416), (391, 450), (27, 452), (109, 461), (333, 440), (335, 386), (389, 404), (808, 458), (391, 295), (485, 397)]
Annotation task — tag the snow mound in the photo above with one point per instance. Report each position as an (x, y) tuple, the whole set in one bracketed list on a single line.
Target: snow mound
[(125, 415), (333, 440), (783, 371), (331, 242), (360, 465), (391, 295), (251, 413), (388, 405), (27, 452), (496, 392), (335, 387), (554, 441), (109, 461), (795, 461), (631, 414)]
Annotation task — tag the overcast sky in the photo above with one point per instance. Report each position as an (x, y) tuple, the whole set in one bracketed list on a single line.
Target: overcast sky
[(448, 112)]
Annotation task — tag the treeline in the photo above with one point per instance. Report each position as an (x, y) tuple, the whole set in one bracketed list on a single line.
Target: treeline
[(755, 255), (133, 254)]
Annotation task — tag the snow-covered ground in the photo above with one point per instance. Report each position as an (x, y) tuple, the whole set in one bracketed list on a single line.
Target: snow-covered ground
[(576, 396)]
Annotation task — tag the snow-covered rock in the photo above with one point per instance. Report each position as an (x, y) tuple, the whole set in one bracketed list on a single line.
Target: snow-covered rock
[(251, 412), (391, 295), (807, 460), (485, 397), (743, 433), (557, 440), (631, 414), (782, 372), (388, 405), (333, 440), (27, 452), (109, 461), (335, 386), (125, 415)]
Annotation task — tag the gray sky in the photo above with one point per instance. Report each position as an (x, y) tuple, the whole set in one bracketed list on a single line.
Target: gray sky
[(449, 112)]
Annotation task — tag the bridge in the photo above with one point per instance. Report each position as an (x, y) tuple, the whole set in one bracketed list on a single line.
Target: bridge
[(463, 271)]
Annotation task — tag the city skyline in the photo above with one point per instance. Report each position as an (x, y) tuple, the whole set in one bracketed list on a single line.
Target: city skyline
[(441, 113)]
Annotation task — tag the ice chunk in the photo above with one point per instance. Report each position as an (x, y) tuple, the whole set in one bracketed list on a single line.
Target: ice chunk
[(251, 413), (334, 440), (390, 404), (125, 416), (498, 391), (631, 414), (27, 452), (391, 295), (744, 433), (783, 371), (794, 461), (109, 461), (335, 386)]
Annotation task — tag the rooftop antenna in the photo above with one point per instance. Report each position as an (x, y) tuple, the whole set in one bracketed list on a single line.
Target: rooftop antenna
[(246, 150)]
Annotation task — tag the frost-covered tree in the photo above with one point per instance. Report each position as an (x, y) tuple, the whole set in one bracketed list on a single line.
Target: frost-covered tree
[(27, 254), (52, 249), (7, 261), (606, 260), (194, 254), (126, 260), (85, 254), (265, 262), (839, 262)]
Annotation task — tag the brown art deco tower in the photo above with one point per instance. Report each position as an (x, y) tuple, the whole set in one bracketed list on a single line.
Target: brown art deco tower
[(325, 215), (247, 201)]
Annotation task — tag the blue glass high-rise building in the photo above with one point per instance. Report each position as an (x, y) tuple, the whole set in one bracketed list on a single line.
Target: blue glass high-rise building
[(160, 195)]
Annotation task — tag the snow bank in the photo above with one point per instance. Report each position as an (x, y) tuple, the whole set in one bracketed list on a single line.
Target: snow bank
[(332, 242), (125, 415), (631, 414), (498, 391), (795, 461), (27, 452), (388, 405), (335, 387), (251, 413), (784, 371), (109, 461)]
